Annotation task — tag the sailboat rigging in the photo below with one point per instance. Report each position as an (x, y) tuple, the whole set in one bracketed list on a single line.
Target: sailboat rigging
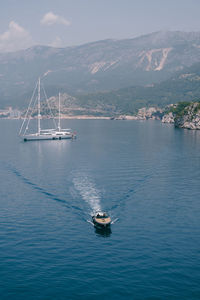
[(57, 133)]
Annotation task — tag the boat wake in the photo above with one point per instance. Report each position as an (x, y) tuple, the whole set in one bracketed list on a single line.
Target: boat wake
[(130, 193), (114, 221), (43, 191), (88, 191), (90, 222)]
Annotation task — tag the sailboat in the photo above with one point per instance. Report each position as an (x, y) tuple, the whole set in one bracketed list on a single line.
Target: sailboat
[(56, 133)]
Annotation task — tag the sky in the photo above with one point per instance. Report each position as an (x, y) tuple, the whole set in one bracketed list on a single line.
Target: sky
[(63, 23)]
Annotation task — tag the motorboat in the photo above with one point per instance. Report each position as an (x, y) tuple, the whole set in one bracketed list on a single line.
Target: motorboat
[(101, 219)]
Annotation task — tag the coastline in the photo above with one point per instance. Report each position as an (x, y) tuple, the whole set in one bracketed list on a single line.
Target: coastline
[(63, 118), (183, 115)]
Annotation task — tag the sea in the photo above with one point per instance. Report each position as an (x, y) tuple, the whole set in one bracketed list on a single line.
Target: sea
[(145, 174)]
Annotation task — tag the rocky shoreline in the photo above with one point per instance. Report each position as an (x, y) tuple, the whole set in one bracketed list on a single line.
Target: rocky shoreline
[(182, 115)]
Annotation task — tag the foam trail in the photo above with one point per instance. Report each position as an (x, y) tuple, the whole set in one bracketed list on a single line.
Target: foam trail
[(88, 192), (115, 220), (90, 222)]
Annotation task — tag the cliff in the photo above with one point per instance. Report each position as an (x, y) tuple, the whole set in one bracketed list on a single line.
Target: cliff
[(183, 115)]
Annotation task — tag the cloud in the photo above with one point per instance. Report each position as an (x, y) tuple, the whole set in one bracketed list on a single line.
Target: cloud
[(51, 19), (15, 38)]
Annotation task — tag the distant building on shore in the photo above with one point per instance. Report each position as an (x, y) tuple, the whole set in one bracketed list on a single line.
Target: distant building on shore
[(10, 113)]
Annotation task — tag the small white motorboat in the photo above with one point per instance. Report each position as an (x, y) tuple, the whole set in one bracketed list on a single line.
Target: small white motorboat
[(101, 219)]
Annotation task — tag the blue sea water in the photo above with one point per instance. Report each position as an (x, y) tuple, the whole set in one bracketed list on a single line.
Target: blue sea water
[(145, 174)]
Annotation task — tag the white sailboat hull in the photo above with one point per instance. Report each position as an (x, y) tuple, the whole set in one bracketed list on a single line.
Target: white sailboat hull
[(37, 137)]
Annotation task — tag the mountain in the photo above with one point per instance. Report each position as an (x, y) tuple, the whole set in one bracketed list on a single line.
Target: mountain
[(98, 66), (183, 86)]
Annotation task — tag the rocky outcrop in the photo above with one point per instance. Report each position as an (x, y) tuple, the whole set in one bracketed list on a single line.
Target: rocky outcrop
[(168, 118), (190, 118), (183, 115), (153, 113)]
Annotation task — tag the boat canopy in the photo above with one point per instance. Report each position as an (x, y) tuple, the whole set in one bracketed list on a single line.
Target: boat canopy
[(101, 215)]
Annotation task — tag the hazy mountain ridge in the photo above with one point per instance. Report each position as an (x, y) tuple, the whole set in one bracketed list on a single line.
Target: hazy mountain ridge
[(98, 66), (183, 86)]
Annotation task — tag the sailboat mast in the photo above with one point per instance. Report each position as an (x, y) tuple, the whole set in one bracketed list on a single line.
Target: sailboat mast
[(59, 112), (39, 115)]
